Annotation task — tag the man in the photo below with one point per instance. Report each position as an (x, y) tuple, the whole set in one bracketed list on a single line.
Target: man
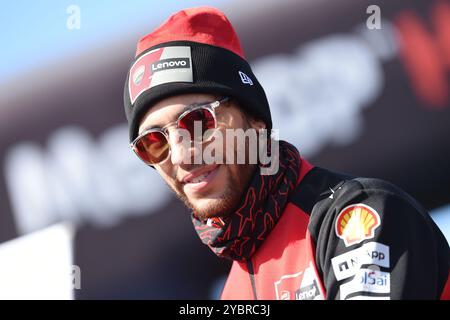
[(295, 232)]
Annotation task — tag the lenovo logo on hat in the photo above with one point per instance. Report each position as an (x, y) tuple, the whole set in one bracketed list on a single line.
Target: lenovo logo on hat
[(245, 78), (167, 64), (159, 66)]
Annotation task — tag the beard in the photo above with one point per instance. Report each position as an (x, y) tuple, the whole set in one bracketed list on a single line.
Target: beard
[(238, 178), (224, 204)]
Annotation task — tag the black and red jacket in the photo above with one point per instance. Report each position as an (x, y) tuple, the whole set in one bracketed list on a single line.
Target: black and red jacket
[(342, 237)]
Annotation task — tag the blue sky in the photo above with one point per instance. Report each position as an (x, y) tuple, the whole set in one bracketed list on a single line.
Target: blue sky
[(35, 32)]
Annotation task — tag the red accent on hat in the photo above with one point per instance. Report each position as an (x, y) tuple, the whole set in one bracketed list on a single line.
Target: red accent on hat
[(202, 24)]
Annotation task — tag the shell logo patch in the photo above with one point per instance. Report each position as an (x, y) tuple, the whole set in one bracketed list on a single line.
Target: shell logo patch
[(356, 223)]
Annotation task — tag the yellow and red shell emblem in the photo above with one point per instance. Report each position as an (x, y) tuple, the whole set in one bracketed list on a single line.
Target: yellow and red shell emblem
[(356, 223)]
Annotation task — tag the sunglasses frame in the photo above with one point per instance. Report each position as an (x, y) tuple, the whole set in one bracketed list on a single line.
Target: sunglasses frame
[(210, 106)]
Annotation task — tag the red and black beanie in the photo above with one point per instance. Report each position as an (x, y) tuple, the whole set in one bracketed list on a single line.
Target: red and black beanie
[(195, 51)]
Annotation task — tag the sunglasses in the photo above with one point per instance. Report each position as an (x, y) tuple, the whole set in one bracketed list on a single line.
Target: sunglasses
[(153, 147)]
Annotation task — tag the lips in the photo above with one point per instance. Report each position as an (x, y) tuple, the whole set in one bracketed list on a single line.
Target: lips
[(198, 175), (200, 179)]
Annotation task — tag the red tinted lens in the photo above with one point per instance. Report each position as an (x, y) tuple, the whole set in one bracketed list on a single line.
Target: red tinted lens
[(152, 148), (204, 119)]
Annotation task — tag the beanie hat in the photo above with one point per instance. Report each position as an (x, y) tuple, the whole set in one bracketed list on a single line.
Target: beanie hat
[(195, 51)]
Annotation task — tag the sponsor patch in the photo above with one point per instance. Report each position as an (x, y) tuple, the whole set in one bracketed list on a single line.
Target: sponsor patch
[(160, 66), (356, 223), (303, 285), (308, 292), (367, 281), (372, 253)]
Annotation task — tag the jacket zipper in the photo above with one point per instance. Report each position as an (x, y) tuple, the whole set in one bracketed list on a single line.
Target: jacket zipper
[(251, 273)]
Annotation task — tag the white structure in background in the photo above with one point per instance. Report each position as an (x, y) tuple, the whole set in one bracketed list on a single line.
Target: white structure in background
[(76, 178), (39, 265)]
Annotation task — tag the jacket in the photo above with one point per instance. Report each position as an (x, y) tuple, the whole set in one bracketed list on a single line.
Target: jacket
[(342, 237)]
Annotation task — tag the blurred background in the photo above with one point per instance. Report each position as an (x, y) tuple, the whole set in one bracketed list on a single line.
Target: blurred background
[(354, 94)]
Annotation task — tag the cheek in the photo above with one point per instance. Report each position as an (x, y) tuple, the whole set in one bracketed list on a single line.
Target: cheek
[(221, 182), (232, 171), (230, 146), (166, 172)]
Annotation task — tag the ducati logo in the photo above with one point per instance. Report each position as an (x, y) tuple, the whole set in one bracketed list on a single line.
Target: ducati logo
[(159, 66), (303, 285)]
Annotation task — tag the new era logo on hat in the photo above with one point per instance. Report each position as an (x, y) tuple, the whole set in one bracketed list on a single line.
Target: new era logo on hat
[(245, 78)]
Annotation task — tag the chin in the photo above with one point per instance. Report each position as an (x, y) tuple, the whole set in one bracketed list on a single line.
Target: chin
[(220, 203), (209, 208)]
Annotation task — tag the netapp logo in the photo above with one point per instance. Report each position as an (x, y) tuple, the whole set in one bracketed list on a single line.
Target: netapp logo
[(174, 63), (371, 253)]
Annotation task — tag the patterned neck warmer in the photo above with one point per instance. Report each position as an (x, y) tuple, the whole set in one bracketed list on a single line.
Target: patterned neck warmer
[(238, 236)]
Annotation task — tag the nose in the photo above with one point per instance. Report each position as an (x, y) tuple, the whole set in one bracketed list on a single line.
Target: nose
[(183, 151)]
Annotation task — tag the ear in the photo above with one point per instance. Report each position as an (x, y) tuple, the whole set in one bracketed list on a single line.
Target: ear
[(257, 124)]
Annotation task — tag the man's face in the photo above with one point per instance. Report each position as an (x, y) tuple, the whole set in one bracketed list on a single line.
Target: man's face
[(211, 190)]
